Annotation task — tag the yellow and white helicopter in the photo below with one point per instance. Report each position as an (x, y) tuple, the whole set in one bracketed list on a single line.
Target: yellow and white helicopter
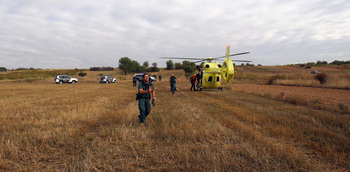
[(212, 73)]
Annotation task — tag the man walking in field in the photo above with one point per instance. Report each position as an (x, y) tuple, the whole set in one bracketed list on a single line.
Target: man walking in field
[(134, 81), (172, 82), (144, 95)]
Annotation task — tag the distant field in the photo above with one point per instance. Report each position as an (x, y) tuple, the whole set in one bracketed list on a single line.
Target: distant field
[(94, 127)]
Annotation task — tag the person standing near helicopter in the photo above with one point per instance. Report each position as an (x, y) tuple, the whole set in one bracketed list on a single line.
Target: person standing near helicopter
[(193, 82), (199, 77)]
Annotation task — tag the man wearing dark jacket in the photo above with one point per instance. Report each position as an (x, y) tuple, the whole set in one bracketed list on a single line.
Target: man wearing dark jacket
[(145, 90), (172, 82)]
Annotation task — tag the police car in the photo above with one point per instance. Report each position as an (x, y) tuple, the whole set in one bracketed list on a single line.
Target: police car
[(139, 77), (107, 79), (60, 79)]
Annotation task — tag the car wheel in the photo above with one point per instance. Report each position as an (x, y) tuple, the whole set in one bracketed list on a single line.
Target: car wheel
[(106, 82), (73, 82), (61, 82), (115, 81)]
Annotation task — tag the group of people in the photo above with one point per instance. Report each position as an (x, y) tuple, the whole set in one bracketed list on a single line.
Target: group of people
[(196, 78), (146, 92)]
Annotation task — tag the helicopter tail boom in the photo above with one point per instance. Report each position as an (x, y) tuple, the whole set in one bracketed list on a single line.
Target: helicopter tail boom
[(227, 51)]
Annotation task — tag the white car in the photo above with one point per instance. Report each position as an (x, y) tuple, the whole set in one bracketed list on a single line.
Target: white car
[(60, 79), (107, 79), (139, 77)]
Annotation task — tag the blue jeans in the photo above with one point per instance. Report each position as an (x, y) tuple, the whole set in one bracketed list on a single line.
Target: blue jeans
[(173, 87), (145, 109)]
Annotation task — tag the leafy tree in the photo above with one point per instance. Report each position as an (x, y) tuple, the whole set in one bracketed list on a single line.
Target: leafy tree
[(126, 65), (3, 69), (154, 67), (169, 65), (188, 66), (136, 67), (321, 63), (337, 62), (145, 64), (178, 66)]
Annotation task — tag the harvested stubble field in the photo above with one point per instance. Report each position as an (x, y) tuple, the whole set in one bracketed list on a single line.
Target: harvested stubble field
[(94, 127)]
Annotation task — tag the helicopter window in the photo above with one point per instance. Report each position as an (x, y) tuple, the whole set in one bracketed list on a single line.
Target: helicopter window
[(217, 79), (219, 66), (207, 66), (210, 79)]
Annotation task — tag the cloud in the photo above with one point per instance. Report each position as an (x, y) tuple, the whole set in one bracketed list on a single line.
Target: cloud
[(82, 34)]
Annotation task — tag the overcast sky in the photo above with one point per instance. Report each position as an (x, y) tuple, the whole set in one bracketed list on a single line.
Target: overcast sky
[(82, 34)]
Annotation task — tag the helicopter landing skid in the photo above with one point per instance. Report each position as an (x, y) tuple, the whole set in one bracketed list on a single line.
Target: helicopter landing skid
[(220, 89)]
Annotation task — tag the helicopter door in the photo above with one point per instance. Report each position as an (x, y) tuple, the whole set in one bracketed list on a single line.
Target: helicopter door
[(210, 79)]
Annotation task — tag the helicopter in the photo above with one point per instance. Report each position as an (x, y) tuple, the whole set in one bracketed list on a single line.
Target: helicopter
[(212, 73)]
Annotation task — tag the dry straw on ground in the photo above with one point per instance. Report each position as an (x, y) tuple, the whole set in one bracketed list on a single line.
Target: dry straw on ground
[(94, 127)]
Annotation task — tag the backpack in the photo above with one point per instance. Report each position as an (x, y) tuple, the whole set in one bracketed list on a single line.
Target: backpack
[(193, 79)]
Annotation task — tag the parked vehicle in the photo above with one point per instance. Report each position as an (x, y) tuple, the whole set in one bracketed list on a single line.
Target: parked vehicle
[(60, 79), (107, 79), (139, 77), (315, 72)]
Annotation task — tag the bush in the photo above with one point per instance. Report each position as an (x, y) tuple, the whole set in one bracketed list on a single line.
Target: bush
[(322, 77), (273, 79), (3, 69), (169, 65), (101, 68), (82, 74)]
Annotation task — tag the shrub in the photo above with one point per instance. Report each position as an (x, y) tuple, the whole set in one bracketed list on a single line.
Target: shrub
[(343, 108), (3, 69), (169, 65), (82, 74), (101, 68), (273, 79), (322, 77)]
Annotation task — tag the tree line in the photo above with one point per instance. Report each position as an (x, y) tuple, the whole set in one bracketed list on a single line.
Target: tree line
[(131, 66), (101, 68), (187, 66), (323, 63)]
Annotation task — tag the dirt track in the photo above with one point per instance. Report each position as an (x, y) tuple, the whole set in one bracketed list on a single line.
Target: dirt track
[(331, 98)]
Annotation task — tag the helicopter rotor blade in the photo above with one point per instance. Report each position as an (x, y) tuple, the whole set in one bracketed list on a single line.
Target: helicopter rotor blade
[(231, 55), (239, 54), (198, 61), (184, 58), (241, 61)]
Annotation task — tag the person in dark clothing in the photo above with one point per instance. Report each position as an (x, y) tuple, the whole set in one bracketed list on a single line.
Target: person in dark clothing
[(134, 80), (199, 77), (193, 82), (144, 95), (172, 82), (160, 78)]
